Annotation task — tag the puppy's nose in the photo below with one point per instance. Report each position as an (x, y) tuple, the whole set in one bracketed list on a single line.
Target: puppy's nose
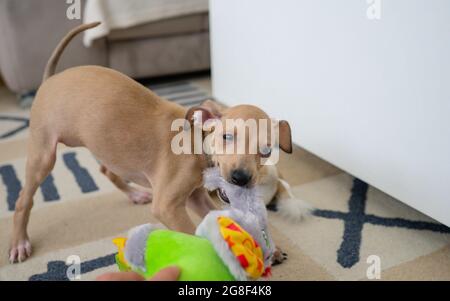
[(240, 177)]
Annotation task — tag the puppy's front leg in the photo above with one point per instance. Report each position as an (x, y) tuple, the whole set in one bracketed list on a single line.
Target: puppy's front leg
[(200, 202), (172, 213), (169, 207)]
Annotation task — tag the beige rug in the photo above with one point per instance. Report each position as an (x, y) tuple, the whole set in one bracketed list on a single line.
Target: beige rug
[(356, 233)]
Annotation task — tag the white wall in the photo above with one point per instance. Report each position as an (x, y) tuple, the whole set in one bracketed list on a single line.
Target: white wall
[(371, 97)]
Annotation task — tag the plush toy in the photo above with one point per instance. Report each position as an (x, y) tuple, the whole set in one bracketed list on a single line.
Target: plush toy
[(229, 244)]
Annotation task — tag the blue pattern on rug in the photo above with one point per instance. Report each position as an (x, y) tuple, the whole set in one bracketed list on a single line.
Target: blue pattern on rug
[(355, 218), (23, 124), (48, 188), (81, 174), (12, 183)]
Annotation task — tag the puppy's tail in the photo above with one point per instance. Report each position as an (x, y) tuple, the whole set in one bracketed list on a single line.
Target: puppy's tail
[(51, 64), (289, 206)]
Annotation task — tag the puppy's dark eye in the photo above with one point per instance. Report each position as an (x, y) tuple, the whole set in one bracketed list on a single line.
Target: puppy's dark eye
[(266, 152), (228, 137)]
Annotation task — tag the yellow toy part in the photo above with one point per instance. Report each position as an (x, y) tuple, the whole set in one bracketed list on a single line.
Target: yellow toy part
[(243, 246), (120, 258)]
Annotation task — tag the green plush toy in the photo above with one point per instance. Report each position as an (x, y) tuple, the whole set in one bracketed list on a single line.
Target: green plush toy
[(194, 255)]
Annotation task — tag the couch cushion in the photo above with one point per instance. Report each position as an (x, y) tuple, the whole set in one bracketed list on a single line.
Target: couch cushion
[(167, 55), (173, 26)]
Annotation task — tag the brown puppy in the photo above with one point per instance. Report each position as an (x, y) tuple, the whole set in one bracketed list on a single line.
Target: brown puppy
[(128, 129)]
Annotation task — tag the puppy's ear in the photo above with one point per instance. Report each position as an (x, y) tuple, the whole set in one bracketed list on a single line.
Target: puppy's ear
[(214, 107), (198, 115), (285, 138), (209, 109)]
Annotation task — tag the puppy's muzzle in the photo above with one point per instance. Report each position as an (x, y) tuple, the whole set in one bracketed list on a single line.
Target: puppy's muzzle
[(240, 177)]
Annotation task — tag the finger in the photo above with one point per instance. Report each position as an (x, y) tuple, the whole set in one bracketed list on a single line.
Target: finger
[(120, 276), (167, 274)]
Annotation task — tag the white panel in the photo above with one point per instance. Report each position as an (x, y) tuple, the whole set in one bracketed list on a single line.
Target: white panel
[(370, 96)]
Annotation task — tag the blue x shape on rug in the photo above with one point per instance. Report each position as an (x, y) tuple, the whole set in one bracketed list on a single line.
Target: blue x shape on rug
[(355, 218)]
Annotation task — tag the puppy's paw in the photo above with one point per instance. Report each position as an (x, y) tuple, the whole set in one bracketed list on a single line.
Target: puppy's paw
[(278, 257), (140, 197), (20, 251)]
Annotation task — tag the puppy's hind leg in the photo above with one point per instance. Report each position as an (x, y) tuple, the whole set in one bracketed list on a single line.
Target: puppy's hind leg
[(40, 162), (135, 195)]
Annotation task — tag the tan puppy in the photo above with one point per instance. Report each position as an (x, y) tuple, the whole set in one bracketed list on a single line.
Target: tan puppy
[(128, 129)]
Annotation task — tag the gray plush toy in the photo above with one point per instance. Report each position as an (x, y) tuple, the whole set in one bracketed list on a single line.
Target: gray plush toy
[(246, 207)]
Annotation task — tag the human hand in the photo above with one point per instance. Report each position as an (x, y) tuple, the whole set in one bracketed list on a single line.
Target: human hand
[(166, 274)]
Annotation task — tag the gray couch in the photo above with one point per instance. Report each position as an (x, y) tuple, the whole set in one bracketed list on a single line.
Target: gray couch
[(30, 30)]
